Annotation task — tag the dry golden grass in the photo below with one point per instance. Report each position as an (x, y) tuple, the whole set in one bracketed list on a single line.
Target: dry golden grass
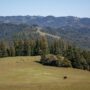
[(24, 73)]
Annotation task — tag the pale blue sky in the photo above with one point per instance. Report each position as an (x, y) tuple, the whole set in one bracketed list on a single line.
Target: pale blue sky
[(79, 8)]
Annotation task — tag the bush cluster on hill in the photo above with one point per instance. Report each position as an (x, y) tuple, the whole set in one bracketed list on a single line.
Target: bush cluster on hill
[(55, 60)]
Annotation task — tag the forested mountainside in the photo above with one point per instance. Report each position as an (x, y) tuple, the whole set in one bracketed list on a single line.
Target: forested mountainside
[(74, 29), (80, 36), (77, 35)]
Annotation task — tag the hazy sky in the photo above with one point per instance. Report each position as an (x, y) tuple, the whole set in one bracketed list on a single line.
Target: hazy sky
[(80, 8)]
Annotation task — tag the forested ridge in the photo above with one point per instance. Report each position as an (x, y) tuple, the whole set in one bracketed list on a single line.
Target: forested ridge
[(80, 36)]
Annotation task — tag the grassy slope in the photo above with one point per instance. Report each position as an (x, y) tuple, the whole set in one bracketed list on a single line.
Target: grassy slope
[(24, 73)]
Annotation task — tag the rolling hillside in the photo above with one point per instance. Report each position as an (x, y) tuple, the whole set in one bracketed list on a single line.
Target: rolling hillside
[(25, 73)]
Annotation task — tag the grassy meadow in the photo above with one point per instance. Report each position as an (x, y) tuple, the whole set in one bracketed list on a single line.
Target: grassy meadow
[(25, 73)]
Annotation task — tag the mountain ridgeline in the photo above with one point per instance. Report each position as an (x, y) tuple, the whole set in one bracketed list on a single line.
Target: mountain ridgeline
[(48, 21)]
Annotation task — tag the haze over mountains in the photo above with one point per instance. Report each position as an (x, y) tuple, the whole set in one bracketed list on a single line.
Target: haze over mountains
[(74, 29), (48, 21)]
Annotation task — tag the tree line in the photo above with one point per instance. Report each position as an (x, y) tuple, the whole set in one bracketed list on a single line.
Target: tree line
[(76, 57)]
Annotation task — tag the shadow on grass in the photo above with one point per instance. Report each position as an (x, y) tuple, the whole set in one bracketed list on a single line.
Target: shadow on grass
[(45, 64), (38, 62)]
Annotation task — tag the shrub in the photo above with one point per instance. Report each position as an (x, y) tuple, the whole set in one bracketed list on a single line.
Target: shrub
[(55, 61), (49, 60), (63, 62)]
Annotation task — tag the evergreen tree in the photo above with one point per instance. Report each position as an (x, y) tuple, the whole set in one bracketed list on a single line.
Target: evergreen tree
[(3, 49), (37, 47), (43, 48), (26, 48), (32, 44), (56, 47), (12, 51), (19, 46), (44, 45)]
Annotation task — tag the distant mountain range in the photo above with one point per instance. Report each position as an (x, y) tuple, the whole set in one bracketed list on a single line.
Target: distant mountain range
[(74, 29), (48, 21)]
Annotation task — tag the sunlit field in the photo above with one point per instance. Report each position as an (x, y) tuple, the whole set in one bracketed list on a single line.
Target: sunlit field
[(25, 73)]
